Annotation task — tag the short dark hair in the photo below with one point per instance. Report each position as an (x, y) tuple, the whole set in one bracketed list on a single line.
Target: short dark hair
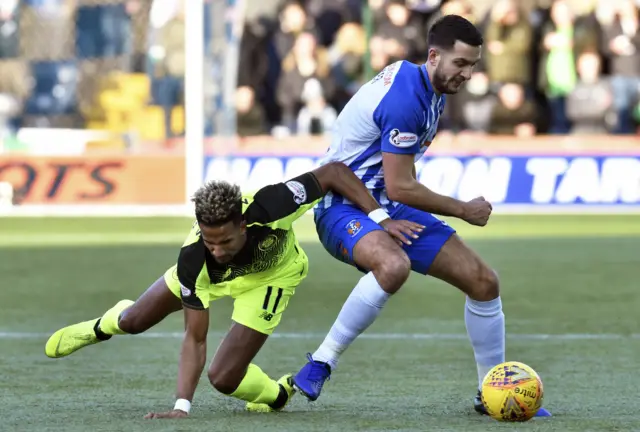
[(218, 202), (451, 28)]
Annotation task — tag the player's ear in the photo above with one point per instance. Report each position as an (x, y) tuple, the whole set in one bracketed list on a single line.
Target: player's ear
[(433, 56), (243, 226)]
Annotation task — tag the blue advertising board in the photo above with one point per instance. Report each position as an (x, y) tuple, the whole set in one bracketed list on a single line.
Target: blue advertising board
[(523, 183)]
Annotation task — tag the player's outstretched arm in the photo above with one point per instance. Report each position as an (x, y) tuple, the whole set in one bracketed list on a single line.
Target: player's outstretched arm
[(403, 187), (192, 359), (337, 177), (273, 203)]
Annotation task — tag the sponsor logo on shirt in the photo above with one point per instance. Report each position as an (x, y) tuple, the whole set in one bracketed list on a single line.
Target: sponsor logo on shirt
[(298, 190), (402, 139)]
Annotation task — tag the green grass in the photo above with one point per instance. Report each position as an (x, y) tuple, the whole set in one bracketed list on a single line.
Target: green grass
[(573, 278)]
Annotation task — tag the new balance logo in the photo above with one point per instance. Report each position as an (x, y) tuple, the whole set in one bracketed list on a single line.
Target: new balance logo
[(266, 316)]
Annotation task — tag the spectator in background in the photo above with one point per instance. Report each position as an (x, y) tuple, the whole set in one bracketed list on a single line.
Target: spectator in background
[(250, 115), (9, 109), (378, 12), (293, 21), (104, 30), (346, 60), (328, 17), (316, 117), (453, 7), (11, 98), (424, 10), (253, 66), (305, 61), (47, 29), (378, 53), (470, 110), (168, 62), (9, 22), (513, 114), (558, 71), (622, 44), (588, 29), (403, 38), (590, 102), (508, 42)]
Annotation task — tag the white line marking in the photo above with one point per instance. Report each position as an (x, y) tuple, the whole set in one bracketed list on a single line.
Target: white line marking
[(373, 336)]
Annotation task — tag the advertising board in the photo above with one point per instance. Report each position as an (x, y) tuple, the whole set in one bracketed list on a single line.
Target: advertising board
[(522, 183), (94, 180)]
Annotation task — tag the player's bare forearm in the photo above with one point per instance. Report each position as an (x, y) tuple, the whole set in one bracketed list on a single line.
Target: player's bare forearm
[(193, 354), (402, 186), (337, 177), (415, 194), (192, 359)]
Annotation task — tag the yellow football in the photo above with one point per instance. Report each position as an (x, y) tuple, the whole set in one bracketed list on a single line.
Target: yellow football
[(512, 391)]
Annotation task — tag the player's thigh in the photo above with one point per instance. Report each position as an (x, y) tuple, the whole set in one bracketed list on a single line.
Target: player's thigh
[(460, 266), (422, 251), (159, 300), (351, 236), (340, 227), (261, 308)]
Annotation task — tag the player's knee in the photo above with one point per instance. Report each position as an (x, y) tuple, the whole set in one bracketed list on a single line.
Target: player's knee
[(130, 323), (393, 271), (223, 381), (486, 284)]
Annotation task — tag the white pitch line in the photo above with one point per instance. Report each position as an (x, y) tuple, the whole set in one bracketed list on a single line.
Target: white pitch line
[(372, 336)]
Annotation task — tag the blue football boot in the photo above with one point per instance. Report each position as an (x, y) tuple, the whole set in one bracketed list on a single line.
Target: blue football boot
[(310, 379)]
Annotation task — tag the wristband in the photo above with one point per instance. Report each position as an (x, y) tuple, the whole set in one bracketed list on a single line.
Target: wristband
[(378, 215), (183, 405)]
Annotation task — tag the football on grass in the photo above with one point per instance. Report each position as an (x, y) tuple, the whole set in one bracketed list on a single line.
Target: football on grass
[(512, 392)]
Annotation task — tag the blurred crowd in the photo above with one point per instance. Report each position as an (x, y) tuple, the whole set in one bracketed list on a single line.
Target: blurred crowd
[(549, 66), (552, 67), (90, 63)]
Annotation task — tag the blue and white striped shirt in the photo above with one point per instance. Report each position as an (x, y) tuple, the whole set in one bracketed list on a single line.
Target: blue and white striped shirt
[(396, 112)]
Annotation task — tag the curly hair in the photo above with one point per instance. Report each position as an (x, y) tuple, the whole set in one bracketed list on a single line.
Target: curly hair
[(218, 202)]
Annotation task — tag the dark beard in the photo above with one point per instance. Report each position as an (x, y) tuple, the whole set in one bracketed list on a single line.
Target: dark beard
[(439, 82)]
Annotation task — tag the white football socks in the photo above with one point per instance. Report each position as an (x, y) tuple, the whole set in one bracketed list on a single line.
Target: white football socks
[(359, 311), (485, 327)]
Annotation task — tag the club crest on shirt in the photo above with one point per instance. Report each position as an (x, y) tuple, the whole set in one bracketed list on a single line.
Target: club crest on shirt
[(267, 243)]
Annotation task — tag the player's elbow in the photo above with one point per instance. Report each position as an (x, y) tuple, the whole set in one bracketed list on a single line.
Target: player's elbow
[(396, 191), (336, 169), (393, 193), (330, 174)]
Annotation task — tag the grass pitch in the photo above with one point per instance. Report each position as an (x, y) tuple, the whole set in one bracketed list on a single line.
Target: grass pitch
[(570, 293)]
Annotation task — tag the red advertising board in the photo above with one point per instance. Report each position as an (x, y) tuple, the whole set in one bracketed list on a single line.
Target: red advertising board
[(126, 179)]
